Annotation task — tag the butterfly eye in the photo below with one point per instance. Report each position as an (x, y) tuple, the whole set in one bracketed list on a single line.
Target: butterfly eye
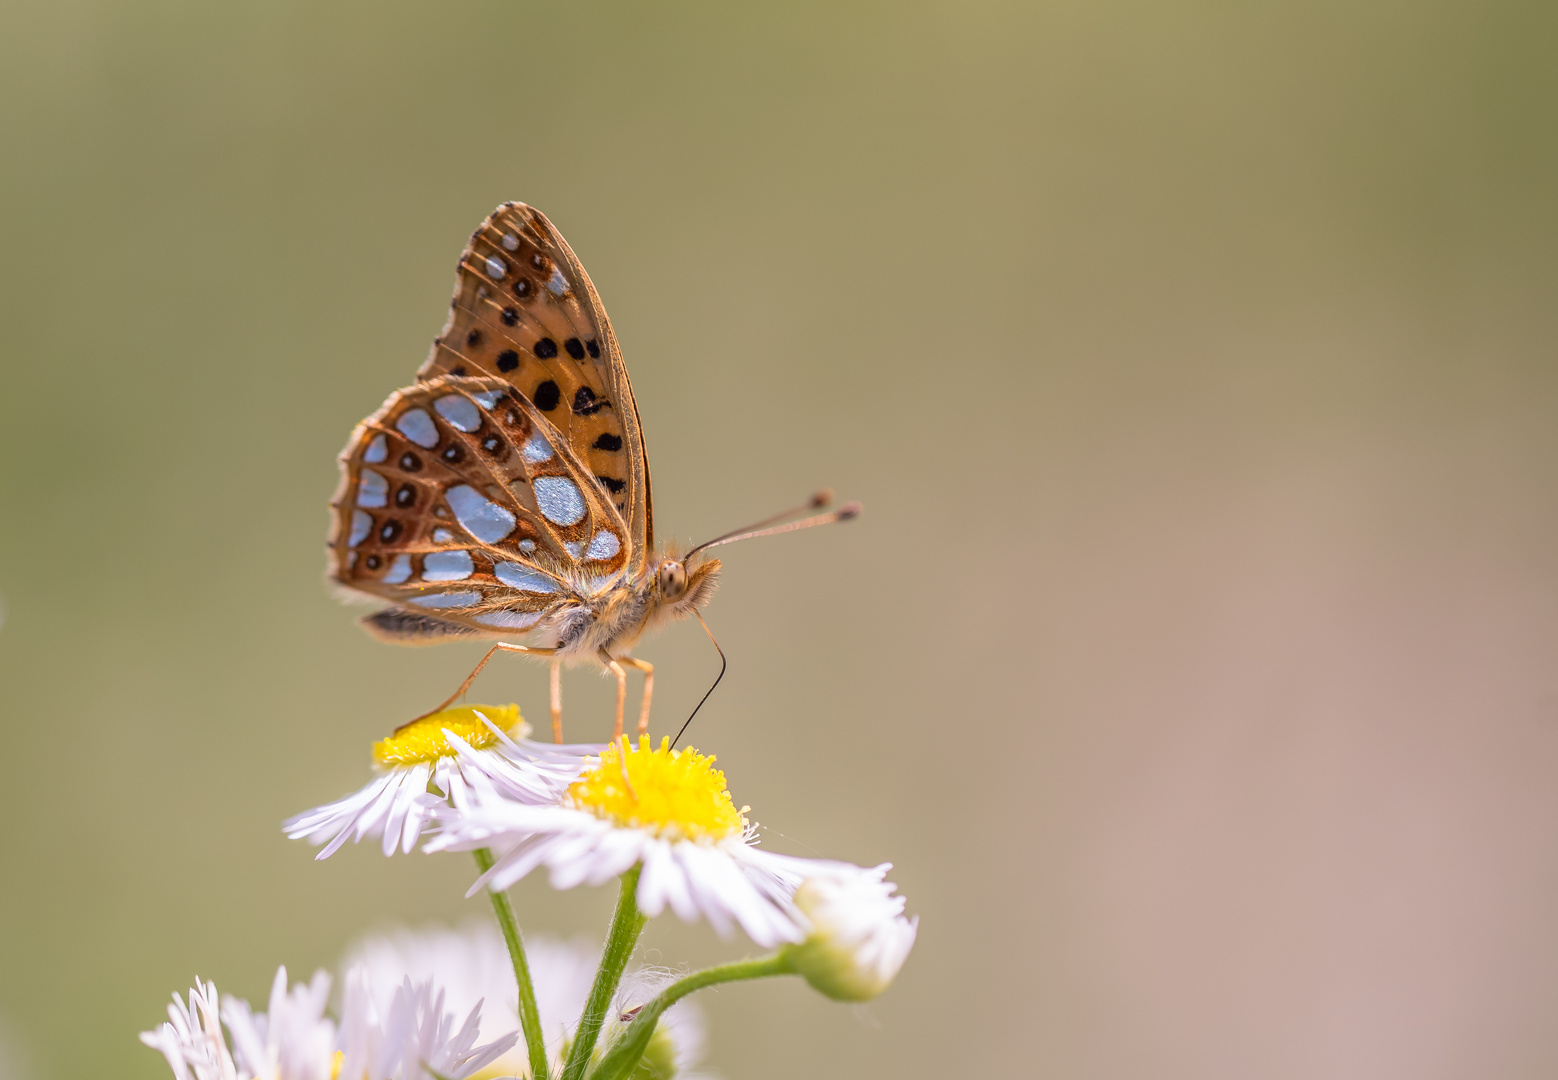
[(673, 580)]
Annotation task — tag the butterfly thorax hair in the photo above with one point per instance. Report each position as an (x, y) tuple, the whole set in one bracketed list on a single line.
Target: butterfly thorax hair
[(612, 620)]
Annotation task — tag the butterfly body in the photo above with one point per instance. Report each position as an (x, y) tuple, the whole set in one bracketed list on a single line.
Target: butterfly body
[(584, 623), (609, 623)]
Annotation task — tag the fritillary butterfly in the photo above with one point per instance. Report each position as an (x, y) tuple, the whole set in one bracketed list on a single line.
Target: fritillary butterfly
[(506, 492)]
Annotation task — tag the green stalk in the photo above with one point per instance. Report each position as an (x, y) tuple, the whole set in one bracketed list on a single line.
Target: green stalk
[(625, 1053), (626, 925), (529, 1018)]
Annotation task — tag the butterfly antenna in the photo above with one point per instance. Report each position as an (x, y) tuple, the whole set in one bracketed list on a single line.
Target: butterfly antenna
[(710, 690), (816, 502), (767, 527)]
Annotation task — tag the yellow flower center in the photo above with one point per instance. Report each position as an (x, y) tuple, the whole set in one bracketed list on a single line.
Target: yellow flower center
[(678, 794), (423, 740)]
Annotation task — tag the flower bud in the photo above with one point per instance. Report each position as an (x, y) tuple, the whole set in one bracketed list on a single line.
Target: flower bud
[(857, 936)]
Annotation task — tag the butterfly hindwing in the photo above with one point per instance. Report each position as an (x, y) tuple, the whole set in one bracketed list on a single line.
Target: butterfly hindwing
[(525, 311), (461, 501)]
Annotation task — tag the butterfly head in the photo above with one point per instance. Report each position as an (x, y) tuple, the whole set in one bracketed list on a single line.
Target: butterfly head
[(683, 585)]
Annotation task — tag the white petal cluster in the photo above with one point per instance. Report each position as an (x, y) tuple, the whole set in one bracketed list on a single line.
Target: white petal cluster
[(857, 938), (730, 882), (413, 1037), (292, 1038), (397, 807), (192, 1039), (472, 966), (417, 1005)]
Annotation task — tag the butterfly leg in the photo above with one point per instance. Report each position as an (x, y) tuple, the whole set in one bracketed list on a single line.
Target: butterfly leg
[(622, 690), (649, 688), (557, 701), (501, 646)]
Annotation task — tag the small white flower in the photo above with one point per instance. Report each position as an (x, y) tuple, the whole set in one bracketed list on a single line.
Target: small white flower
[(292, 1039), (450, 750), (664, 809), (472, 965), (191, 1039), (412, 1037), (858, 938)]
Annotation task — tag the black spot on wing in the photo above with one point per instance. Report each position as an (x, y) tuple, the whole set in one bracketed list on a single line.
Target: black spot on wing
[(612, 485), (575, 348), (508, 360), (608, 441), (547, 396), (546, 348), (586, 404), (594, 347)]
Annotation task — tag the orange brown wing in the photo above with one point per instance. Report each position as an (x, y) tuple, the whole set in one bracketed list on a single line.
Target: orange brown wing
[(525, 311), (459, 499)]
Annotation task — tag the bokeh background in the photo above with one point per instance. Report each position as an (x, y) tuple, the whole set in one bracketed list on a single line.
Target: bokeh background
[(1194, 659)]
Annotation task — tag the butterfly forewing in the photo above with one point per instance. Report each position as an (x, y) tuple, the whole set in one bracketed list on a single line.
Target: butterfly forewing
[(525, 311), (460, 498)]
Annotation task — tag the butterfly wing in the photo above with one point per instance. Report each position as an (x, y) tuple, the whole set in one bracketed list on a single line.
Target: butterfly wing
[(463, 503), (525, 311)]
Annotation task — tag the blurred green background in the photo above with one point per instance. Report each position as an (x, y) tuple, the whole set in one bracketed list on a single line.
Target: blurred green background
[(1194, 659)]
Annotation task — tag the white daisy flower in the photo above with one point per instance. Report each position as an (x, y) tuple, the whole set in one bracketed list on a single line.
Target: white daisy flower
[(414, 1037), (666, 810), (192, 1038), (292, 1039), (472, 965), (411, 1038), (449, 750), (857, 939)]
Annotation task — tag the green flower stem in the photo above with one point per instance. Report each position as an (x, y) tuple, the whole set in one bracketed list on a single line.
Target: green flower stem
[(624, 1054), (529, 1018), (626, 925)]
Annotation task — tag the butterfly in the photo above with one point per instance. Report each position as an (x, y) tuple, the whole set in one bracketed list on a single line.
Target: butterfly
[(506, 492)]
